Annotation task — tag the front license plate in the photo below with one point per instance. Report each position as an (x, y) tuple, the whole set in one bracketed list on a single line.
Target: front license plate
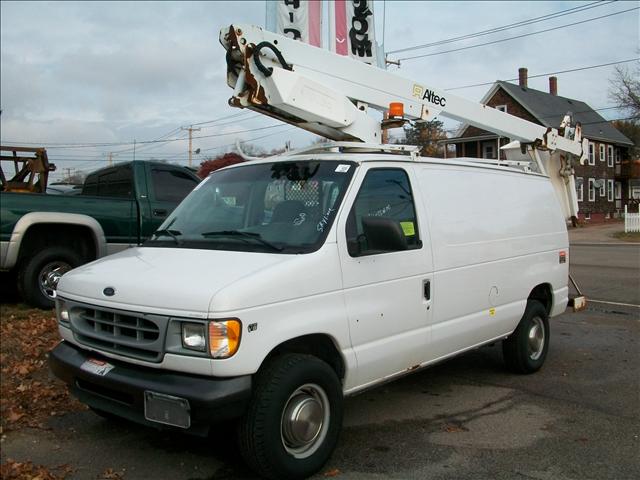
[(166, 409), (97, 367)]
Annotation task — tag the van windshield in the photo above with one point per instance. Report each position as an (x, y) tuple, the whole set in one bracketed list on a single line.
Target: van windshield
[(276, 207)]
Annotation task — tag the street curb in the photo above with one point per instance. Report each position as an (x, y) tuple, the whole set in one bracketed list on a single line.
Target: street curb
[(595, 244)]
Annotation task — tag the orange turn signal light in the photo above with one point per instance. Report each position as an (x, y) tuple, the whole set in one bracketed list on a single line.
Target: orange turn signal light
[(396, 109), (224, 337)]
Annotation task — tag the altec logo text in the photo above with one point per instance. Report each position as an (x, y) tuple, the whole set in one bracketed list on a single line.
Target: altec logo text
[(429, 96)]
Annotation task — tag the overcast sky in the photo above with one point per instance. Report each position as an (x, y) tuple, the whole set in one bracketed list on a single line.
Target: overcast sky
[(114, 72)]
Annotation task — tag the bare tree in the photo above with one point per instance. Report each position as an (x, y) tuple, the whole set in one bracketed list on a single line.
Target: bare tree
[(624, 90)]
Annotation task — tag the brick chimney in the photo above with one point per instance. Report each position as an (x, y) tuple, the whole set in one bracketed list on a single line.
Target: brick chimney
[(553, 85), (522, 77)]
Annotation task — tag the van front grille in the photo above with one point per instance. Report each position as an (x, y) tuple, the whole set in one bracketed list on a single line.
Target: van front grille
[(130, 334)]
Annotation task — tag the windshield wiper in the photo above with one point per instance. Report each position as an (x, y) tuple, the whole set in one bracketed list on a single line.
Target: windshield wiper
[(238, 233), (169, 233)]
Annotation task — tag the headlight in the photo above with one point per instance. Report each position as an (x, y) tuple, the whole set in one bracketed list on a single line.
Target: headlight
[(194, 336), (224, 337), (63, 311)]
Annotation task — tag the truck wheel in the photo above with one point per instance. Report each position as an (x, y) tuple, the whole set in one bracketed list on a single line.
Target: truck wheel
[(526, 348), (38, 276), (294, 418)]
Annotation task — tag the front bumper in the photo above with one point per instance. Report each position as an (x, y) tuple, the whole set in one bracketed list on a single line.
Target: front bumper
[(121, 390)]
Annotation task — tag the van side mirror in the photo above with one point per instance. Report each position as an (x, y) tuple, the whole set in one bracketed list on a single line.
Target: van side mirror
[(383, 235)]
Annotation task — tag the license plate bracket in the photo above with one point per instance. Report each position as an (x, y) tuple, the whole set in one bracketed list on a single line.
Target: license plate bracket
[(167, 409)]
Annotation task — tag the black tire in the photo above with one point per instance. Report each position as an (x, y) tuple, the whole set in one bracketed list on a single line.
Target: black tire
[(263, 432), (526, 348), (31, 270)]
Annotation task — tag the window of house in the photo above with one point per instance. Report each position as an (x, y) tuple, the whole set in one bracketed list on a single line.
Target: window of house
[(580, 188), (610, 190), (592, 190), (591, 154), (488, 151), (502, 108), (602, 153), (587, 216), (171, 185), (607, 215), (618, 156), (384, 203), (603, 187), (609, 156), (618, 191)]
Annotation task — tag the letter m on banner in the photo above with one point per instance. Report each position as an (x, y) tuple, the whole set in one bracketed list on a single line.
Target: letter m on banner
[(352, 29), (298, 19)]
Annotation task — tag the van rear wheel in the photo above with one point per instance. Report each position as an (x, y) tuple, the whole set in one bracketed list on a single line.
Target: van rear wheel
[(526, 348), (294, 418)]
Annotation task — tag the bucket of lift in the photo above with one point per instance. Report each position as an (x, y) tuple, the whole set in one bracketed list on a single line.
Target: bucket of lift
[(31, 169)]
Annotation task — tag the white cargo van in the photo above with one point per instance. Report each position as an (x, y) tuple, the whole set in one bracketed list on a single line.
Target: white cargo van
[(280, 286)]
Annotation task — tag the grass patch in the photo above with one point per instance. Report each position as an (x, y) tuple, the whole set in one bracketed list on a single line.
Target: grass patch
[(627, 237)]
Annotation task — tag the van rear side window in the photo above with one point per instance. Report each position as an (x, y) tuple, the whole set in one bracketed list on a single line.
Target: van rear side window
[(383, 217)]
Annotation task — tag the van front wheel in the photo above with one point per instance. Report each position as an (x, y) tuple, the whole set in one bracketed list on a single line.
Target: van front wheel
[(526, 348), (294, 418)]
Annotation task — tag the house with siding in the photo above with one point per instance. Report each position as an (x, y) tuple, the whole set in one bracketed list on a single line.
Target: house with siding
[(608, 180)]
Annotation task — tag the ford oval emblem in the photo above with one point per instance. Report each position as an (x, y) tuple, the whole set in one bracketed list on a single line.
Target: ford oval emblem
[(109, 291)]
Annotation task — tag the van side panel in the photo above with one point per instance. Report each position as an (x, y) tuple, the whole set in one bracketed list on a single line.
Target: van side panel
[(495, 235)]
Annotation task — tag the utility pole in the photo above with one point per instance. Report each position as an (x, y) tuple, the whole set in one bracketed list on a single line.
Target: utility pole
[(190, 130), (134, 149), (110, 158)]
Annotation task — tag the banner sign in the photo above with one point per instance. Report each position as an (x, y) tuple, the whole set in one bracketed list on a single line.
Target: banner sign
[(297, 19), (352, 29)]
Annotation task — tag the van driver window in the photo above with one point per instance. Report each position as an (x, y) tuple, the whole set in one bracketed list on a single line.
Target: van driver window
[(383, 217)]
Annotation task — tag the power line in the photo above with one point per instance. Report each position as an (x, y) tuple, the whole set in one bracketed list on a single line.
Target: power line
[(251, 140), (232, 122), (143, 142), (521, 23), (548, 73), (177, 157), (518, 36), (157, 140), (221, 118)]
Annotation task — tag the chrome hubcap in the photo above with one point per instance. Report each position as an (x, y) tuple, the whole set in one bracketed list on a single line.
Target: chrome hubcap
[(535, 345), (50, 276), (305, 420)]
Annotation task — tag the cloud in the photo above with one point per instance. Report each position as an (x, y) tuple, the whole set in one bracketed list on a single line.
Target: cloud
[(100, 71)]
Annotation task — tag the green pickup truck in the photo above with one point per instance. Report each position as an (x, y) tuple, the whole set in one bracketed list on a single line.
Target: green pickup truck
[(43, 236)]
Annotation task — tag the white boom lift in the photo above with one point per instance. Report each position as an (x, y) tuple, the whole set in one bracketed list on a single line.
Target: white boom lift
[(329, 95)]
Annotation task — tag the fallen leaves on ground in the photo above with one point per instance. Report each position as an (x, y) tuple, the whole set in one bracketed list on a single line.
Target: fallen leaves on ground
[(29, 394), (111, 474), (451, 428), (11, 470), (332, 473)]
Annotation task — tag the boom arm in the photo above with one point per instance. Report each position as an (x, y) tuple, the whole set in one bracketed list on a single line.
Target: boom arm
[(329, 94)]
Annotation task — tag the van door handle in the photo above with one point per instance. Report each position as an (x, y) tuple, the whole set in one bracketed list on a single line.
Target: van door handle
[(159, 212), (427, 289)]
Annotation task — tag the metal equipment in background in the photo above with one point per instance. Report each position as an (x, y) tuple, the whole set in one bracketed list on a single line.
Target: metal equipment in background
[(31, 169)]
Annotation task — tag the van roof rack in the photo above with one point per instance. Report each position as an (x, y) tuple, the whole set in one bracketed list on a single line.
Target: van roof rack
[(412, 151), (524, 164)]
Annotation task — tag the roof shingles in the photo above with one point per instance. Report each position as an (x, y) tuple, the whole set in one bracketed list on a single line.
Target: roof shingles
[(551, 109)]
